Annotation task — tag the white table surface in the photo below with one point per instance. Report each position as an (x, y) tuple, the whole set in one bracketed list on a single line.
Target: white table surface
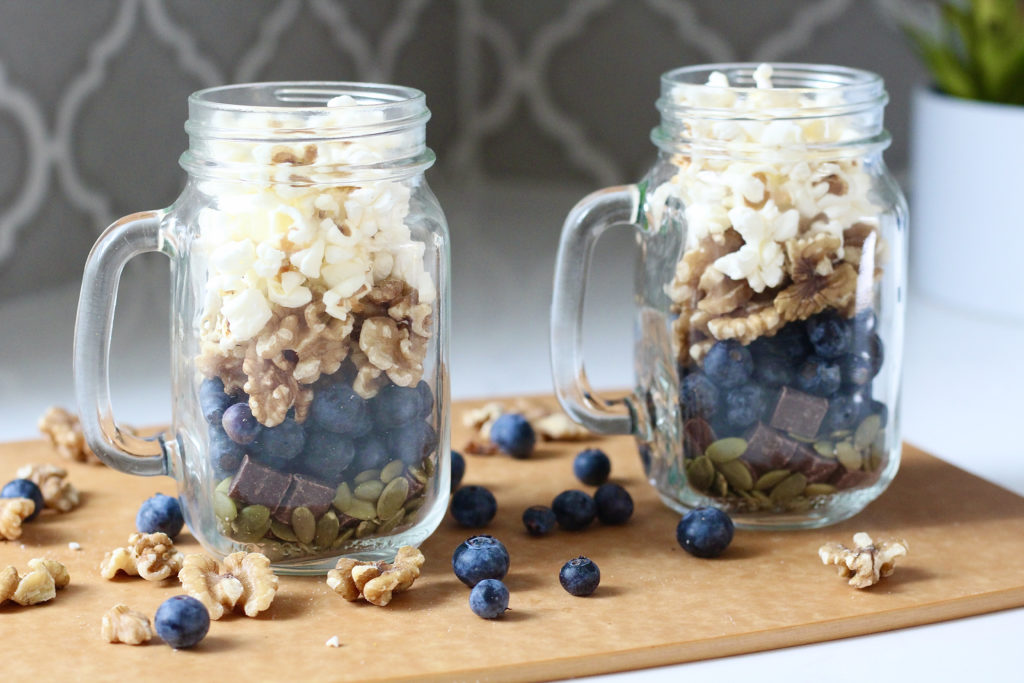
[(963, 401)]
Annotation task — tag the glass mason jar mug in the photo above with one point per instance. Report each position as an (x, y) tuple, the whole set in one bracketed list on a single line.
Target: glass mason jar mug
[(309, 265), (770, 285)]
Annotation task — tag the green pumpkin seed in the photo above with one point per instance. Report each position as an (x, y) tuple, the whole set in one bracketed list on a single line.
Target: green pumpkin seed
[(342, 497), (224, 486), (848, 456), (389, 525), (253, 520), (875, 459), (798, 504), (223, 507), (801, 438), (360, 509), (327, 529), (721, 486), (419, 474), (414, 504), (726, 449), (789, 488), (762, 498), (365, 528), (274, 551), (282, 531), (825, 449), (768, 480), (700, 472), (429, 467), (737, 473), (366, 475), (392, 498), (391, 470), (819, 490), (867, 430), (304, 524), (369, 490)]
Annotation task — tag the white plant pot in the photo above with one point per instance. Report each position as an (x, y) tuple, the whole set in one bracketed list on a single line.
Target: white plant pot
[(967, 203)]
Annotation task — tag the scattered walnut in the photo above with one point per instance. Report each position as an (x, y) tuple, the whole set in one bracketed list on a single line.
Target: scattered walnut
[(151, 556), (14, 511), (65, 433), (550, 425), (58, 493), (376, 582), (243, 579), (40, 584), (867, 562), (559, 427), (124, 625)]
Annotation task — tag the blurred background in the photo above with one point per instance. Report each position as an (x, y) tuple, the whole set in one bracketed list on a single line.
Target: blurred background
[(535, 104)]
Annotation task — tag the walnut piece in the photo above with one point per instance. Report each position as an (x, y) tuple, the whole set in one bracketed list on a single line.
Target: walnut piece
[(58, 493), (376, 582), (65, 433), (243, 580), (150, 556), (14, 511), (753, 320), (40, 584), (818, 282), (867, 562), (124, 625), (393, 349)]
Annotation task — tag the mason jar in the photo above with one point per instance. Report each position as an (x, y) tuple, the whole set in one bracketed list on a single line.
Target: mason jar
[(770, 294), (309, 325)]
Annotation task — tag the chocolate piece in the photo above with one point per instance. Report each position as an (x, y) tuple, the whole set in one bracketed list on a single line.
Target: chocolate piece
[(258, 484), (697, 436), (849, 479), (816, 468), (346, 522), (799, 413), (415, 486), (305, 492), (767, 449)]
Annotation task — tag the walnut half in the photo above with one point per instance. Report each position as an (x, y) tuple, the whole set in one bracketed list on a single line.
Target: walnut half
[(58, 492), (243, 579), (376, 582), (40, 584), (124, 625), (151, 556), (14, 511), (867, 562)]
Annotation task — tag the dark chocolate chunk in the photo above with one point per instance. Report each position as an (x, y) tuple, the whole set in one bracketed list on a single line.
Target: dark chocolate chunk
[(767, 449), (849, 479), (257, 484), (697, 436), (415, 486), (816, 468), (305, 492), (799, 413)]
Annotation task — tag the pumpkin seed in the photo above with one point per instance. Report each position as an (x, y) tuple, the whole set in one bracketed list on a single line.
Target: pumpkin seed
[(282, 531), (389, 525), (429, 467), (303, 524), (875, 458), (360, 509), (819, 490), (392, 498), (414, 504), (365, 528), (391, 470), (419, 475), (848, 455), (867, 430), (327, 529), (224, 485), (737, 473), (366, 475), (342, 537), (789, 488), (369, 490), (700, 472), (253, 520), (801, 438), (798, 504), (726, 449), (768, 480), (342, 497), (223, 507), (274, 551), (825, 449), (721, 485), (762, 498)]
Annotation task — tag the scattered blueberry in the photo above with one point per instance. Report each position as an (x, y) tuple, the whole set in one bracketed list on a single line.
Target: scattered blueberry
[(489, 599), (744, 405), (539, 520), (474, 506), (283, 441), (327, 456), (458, 469), (580, 576), (614, 504), (225, 453), (213, 400), (411, 442), (818, 376), (338, 408), (160, 513), (513, 434), (829, 334), (728, 364), (574, 510), (698, 395), (239, 423), (181, 621), (478, 558), (705, 532), (592, 466), (24, 488), (395, 405)]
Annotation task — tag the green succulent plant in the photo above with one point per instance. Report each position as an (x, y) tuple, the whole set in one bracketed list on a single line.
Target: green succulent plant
[(977, 51)]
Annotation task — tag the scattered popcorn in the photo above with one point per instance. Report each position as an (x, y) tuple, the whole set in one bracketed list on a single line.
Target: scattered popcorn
[(74, 545), (333, 641)]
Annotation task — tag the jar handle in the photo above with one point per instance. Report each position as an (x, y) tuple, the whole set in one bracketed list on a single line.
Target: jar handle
[(128, 237), (594, 214)]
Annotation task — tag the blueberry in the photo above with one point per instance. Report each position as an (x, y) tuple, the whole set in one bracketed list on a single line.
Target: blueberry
[(574, 510), (829, 334), (844, 412), (239, 423), (478, 558), (863, 362), (426, 398), (698, 395), (225, 453), (489, 599), (338, 408), (818, 376), (705, 532), (326, 456), (728, 364), (744, 405), (772, 369), (371, 453), (580, 576), (790, 342), (592, 466), (513, 434), (394, 405), (283, 441), (539, 520), (865, 322), (411, 442), (24, 488), (214, 400), (614, 504), (458, 469), (160, 513), (881, 410), (181, 621), (474, 506)]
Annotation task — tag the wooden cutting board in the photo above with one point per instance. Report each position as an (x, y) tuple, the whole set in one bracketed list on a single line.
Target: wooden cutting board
[(656, 604)]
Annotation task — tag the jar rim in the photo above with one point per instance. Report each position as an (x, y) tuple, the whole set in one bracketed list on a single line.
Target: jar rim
[(291, 97)]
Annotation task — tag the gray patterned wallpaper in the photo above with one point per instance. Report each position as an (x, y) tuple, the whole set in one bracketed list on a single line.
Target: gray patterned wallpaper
[(93, 92)]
